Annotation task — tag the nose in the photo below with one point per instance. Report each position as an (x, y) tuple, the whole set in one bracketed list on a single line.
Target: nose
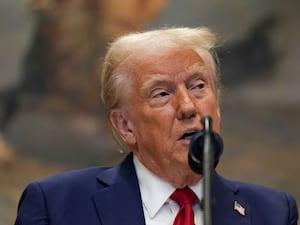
[(186, 106)]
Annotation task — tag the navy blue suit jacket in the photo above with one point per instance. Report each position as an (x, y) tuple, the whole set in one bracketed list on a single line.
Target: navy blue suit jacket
[(111, 196)]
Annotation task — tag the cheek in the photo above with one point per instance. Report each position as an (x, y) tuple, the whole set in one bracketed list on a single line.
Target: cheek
[(216, 118), (153, 127), (211, 107), (156, 117)]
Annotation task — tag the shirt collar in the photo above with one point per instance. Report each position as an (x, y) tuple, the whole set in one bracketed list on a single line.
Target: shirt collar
[(155, 191)]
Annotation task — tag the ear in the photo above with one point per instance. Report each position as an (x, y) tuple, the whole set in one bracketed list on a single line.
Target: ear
[(122, 125)]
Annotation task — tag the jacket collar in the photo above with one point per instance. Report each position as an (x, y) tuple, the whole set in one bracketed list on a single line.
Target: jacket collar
[(118, 201)]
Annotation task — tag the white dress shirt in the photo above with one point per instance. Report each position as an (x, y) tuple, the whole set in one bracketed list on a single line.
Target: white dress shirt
[(158, 208)]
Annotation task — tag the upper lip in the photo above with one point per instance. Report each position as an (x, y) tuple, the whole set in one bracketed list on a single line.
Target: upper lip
[(189, 131)]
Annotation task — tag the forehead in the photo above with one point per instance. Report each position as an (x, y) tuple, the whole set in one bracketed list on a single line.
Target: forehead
[(173, 58), (175, 63)]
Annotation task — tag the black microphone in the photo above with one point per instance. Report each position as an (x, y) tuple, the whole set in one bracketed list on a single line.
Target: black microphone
[(197, 146)]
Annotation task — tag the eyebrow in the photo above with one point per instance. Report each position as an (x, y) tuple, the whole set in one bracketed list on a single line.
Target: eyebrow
[(157, 78), (197, 69)]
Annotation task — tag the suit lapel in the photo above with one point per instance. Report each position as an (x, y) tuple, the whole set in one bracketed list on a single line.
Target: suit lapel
[(229, 208), (119, 201)]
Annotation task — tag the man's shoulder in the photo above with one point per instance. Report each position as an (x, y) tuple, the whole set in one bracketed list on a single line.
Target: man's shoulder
[(85, 178), (73, 175), (90, 178)]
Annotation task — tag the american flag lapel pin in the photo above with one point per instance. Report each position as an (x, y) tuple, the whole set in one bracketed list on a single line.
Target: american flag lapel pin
[(239, 208)]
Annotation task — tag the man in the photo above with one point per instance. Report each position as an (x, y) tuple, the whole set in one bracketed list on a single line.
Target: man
[(156, 87)]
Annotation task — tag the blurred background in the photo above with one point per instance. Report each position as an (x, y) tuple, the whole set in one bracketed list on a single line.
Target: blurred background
[(51, 118)]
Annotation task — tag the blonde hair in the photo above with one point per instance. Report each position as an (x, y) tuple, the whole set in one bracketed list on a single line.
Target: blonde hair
[(114, 79)]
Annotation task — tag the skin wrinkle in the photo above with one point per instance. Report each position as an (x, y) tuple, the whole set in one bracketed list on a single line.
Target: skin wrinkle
[(130, 61), (161, 79), (156, 129)]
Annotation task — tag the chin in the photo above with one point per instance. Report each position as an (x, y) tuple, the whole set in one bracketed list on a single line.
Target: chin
[(187, 180)]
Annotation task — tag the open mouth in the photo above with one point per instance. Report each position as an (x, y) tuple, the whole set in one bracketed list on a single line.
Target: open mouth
[(188, 135)]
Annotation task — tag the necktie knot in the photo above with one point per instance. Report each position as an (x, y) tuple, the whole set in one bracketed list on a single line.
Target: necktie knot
[(184, 196)]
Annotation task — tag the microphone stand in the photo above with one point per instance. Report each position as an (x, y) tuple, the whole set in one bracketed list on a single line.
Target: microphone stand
[(208, 166), (205, 150)]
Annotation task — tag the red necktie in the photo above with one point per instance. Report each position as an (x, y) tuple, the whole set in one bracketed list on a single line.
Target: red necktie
[(185, 198)]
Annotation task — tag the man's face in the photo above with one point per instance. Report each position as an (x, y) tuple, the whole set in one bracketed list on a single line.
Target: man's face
[(169, 95)]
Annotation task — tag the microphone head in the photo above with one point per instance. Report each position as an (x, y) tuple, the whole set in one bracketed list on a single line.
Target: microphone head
[(195, 155)]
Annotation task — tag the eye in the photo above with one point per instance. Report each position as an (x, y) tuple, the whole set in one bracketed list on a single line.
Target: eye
[(159, 97), (198, 86), (159, 93)]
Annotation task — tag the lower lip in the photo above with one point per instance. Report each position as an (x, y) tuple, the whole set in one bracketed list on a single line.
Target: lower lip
[(185, 141)]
